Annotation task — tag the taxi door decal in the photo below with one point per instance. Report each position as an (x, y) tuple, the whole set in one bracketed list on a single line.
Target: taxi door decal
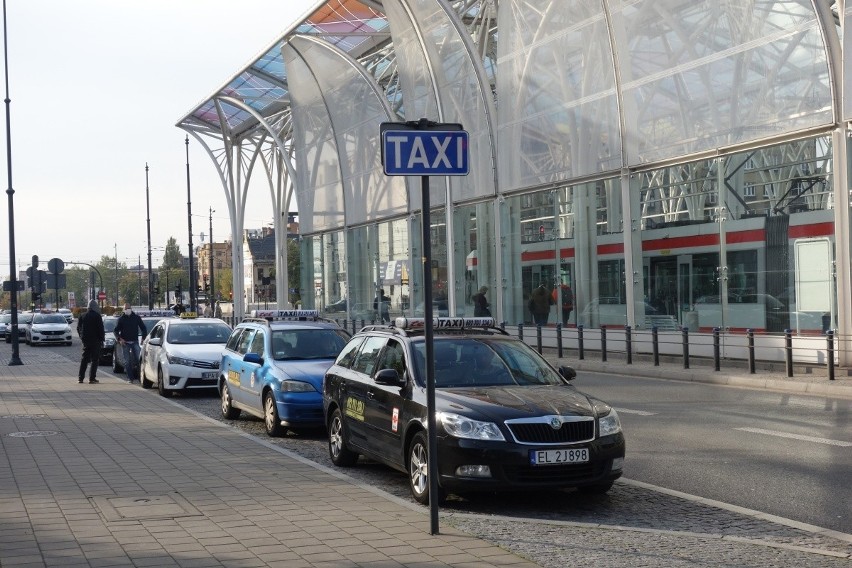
[(252, 379), (233, 377), (395, 420), (355, 408)]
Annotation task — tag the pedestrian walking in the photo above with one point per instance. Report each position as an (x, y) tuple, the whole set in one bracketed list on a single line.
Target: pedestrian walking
[(539, 304), (381, 306), (480, 303), (128, 329), (90, 328), (567, 301)]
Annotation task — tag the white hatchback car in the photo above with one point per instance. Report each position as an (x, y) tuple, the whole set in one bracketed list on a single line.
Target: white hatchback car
[(183, 353), (48, 328)]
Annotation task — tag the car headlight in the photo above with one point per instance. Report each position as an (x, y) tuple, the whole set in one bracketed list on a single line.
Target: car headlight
[(609, 424), (464, 427), (179, 360), (296, 386)]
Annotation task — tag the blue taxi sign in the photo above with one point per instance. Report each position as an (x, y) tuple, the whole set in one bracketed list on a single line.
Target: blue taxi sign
[(440, 149)]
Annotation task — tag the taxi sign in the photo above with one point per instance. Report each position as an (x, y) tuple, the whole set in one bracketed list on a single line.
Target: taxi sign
[(443, 323), (285, 314), (188, 315), (155, 313), (434, 149)]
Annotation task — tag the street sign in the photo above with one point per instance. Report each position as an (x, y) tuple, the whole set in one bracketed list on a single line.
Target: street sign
[(440, 149), (101, 295)]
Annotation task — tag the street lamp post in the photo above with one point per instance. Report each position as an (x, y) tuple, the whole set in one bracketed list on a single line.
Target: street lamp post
[(148, 208), (116, 273), (192, 300), (13, 277), (212, 292)]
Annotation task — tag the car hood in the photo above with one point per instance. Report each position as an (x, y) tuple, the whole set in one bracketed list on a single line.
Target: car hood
[(507, 402), (311, 371), (50, 327), (211, 353)]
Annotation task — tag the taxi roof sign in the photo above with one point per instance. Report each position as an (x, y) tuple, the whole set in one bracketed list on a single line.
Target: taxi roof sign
[(443, 323), (155, 313), (299, 315)]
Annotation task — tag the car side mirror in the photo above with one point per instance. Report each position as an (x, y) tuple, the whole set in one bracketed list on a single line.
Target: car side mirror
[(389, 377), (155, 341), (568, 373), (253, 358)]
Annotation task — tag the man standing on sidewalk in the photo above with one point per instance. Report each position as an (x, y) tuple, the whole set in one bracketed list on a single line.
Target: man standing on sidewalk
[(91, 331), (128, 328)]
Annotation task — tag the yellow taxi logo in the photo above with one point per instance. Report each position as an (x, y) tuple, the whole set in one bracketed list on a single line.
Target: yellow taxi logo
[(234, 377), (355, 408)]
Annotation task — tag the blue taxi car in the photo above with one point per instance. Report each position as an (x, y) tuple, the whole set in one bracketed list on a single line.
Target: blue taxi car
[(273, 367)]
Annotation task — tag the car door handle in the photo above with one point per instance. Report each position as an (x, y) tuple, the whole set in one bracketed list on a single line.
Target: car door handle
[(371, 394)]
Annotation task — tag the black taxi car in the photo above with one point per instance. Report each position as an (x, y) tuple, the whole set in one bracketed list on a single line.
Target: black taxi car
[(506, 419)]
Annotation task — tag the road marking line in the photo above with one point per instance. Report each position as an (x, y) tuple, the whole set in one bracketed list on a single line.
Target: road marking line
[(797, 437), (637, 412)]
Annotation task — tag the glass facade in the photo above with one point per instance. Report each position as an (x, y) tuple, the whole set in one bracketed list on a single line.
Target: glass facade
[(653, 163)]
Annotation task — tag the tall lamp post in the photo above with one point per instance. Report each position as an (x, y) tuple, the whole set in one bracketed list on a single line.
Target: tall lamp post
[(13, 277), (150, 277), (212, 292), (192, 301), (116, 273)]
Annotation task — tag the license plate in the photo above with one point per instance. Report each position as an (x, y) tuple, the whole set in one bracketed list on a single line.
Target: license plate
[(555, 457), (210, 375)]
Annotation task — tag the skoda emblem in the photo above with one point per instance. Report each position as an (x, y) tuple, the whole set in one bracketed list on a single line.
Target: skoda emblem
[(555, 422)]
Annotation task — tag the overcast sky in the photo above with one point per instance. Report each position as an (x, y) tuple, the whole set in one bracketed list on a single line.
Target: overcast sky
[(96, 88)]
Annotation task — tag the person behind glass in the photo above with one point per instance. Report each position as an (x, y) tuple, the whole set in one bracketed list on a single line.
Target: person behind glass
[(208, 311), (90, 328), (128, 328), (539, 304), (381, 305), (567, 301), (480, 303)]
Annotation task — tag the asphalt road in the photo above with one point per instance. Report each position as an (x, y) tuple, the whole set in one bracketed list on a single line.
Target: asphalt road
[(783, 454)]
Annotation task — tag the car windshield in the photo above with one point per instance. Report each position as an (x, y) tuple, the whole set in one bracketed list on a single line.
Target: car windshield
[(25, 318), (317, 343), (49, 318), (5, 318), (150, 323), (482, 362), (198, 332), (109, 324)]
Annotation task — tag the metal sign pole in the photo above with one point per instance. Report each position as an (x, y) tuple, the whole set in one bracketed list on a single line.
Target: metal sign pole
[(431, 423)]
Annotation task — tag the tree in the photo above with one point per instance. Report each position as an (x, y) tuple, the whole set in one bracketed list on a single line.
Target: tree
[(172, 258), (294, 270)]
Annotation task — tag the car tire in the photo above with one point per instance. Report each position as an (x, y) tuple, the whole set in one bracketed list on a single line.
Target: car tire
[(338, 449), (418, 480), (227, 406), (270, 416), (161, 384), (146, 384), (596, 489)]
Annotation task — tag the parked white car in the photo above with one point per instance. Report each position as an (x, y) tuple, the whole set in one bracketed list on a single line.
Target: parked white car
[(48, 328)]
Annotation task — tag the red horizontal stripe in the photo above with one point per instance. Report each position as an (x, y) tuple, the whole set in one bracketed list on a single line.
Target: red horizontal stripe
[(813, 230)]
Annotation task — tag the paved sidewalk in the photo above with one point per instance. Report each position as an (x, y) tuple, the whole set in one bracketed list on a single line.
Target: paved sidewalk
[(111, 475)]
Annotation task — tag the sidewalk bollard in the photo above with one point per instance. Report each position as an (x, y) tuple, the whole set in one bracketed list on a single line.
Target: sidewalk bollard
[(521, 331), (628, 340), (538, 337), (655, 345), (829, 336), (716, 353), (559, 340), (788, 348), (603, 343), (750, 334), (503, 325), (582, 354), (362, 324), (354, 327), (685, 333)]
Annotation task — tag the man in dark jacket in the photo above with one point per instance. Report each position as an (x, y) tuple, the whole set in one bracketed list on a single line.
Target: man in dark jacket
[(90, 328), (128, 328)]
